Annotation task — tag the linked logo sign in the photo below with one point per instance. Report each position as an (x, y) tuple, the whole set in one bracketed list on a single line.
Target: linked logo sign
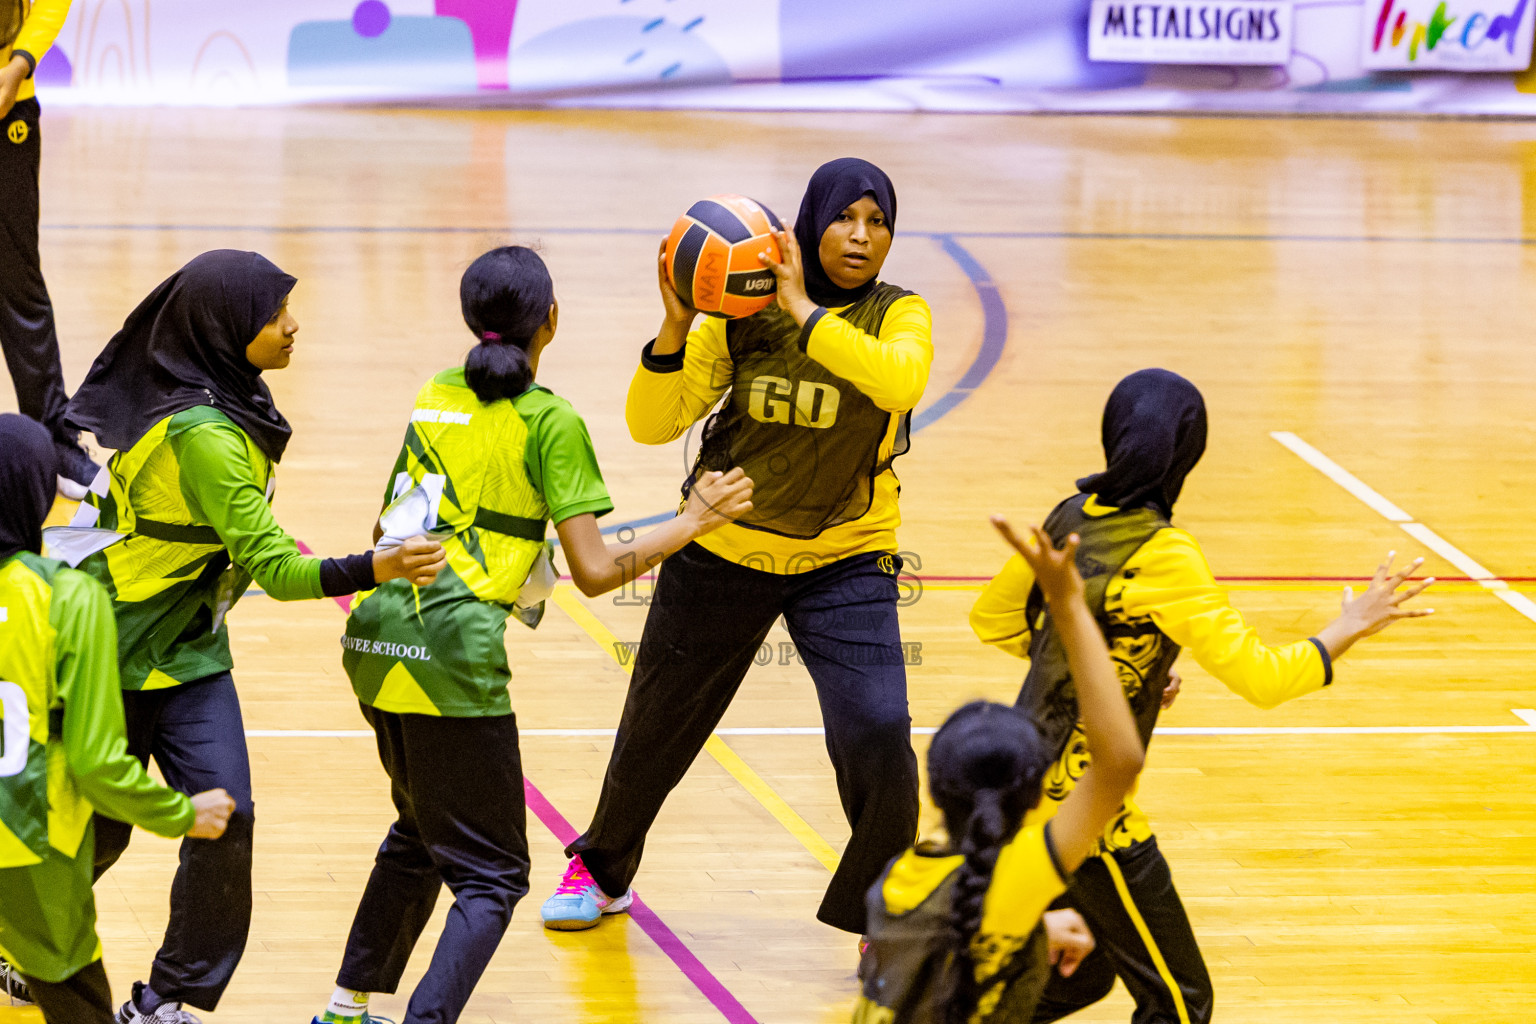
[(1447, 35)]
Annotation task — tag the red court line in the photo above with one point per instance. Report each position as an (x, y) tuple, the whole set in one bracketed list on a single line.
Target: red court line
[(654, 927), (924, 578)]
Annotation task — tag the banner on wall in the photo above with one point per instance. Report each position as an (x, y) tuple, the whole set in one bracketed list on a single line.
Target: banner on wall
[(1192, 32), (1348, 56), (1450, 35)]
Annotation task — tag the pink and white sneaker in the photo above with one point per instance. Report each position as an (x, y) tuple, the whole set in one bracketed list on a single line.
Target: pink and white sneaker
[(580, 902)]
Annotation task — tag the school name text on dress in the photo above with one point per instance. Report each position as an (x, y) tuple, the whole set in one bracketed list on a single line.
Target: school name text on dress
[(408, 652)]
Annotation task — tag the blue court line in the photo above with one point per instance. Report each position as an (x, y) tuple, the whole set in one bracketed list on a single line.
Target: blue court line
[(1118, 236)]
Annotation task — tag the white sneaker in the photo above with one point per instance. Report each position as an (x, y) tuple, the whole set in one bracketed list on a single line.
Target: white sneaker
[(165, 1013), (11, 983)]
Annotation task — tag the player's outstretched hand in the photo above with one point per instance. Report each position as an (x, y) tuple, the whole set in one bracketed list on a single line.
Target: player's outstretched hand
[(719, 498), (213, 810), (1055, 568), (678, 311), (1380, 605), (1068, 939), (418, 559), (1382, 602)]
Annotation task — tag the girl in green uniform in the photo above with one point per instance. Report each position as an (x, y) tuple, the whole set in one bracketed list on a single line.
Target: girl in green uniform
[(178, 392), (64, 752), (492, 457)]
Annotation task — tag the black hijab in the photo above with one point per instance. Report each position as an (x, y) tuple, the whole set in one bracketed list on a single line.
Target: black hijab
[(834, 187), (1154, 433), (184, 347), (29, 466)]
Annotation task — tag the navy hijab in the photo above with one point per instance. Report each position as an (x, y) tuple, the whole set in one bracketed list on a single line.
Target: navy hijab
[(1154, 433), (184, 347), (835, 186), (29, 466)]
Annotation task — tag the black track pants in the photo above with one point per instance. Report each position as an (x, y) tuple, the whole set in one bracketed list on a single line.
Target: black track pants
[(1143, 935), (706, 624), (82, 998), (457, 787), (26, 315)]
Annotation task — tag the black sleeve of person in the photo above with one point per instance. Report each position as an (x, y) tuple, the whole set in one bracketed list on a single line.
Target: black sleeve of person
[(810, 325), (661, 364), (1327, 660), (342, 576), (31, 61)]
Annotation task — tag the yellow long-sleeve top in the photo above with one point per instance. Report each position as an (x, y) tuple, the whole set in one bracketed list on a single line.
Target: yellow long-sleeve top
[(1169, 581), (40, 26), (667, 396)]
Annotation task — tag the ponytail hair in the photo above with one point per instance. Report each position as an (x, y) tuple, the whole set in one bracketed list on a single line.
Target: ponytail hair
[(985, 767), (506, 297)]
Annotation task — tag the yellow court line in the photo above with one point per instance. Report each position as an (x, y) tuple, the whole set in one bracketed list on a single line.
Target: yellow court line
[(727, 758)]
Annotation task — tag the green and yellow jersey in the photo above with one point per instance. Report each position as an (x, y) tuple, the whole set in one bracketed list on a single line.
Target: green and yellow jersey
[(498, 474), (194, 496), (909, 933), (1166, 585), (64, 754), (41, 21), (889, 367)]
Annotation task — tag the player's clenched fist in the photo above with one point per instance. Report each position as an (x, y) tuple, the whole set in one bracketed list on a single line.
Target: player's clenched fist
[(418, 559)]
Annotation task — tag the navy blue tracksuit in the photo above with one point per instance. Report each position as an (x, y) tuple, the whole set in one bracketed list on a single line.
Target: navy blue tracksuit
[(707, 622)]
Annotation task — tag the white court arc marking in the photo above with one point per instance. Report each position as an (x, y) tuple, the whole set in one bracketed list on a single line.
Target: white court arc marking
[(1526, 715), (1417, 530)]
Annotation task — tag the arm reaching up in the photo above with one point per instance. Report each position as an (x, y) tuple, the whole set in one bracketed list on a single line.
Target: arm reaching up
[(1107, 723)]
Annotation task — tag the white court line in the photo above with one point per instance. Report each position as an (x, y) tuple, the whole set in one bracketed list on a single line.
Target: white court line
[(1418, 531), (1526, 715), (1341, 476)]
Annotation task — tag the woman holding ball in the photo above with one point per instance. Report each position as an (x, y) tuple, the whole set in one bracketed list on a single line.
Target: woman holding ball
[(819, 390)]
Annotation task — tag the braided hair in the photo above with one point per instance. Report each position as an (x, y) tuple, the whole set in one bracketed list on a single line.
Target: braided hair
[(505, 295), (985, 766)]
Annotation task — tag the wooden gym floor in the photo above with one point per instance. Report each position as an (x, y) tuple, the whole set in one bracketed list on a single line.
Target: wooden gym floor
[(1362, 855)]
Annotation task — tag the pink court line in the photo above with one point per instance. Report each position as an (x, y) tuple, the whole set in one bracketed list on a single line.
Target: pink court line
[(653, 926), (650, 923)]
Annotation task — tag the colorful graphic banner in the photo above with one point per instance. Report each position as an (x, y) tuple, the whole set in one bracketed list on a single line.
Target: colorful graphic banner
[(958, 55), (1450, 35)]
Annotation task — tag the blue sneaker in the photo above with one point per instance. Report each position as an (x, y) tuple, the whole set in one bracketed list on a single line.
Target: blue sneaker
[(364, 1019), (580, 902)]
